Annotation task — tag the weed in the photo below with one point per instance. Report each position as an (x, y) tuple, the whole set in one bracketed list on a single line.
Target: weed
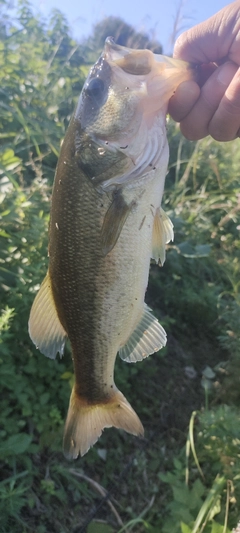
[(123, 484)]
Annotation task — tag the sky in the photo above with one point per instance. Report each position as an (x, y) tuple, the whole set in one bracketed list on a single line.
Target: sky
[(156, 17)]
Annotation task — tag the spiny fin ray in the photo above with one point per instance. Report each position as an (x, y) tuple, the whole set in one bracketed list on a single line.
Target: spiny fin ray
[(162, 234)]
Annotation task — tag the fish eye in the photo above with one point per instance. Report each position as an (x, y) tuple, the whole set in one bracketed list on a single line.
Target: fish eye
[(95, 90)]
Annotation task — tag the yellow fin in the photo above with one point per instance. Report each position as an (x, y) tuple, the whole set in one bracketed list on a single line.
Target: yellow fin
[(148, 337), (162, 234), (44, 326), (85, 423), (114, 221)]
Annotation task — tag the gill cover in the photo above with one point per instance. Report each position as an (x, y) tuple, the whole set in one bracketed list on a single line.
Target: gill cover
[(126, 92)]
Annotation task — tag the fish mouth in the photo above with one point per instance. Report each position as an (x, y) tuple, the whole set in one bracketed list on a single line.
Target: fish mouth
[(124, 105), (129, 58), (161, 73)]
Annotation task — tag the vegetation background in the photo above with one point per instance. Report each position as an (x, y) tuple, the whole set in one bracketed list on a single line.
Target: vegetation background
[(184, 476)]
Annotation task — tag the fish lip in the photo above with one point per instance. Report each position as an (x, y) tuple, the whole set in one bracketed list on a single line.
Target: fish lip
[(113, 52), (111, 45)]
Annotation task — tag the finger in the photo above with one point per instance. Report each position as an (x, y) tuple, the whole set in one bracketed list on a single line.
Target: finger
[(204, 72), (195, 125), (188, 92), (183, 100), (213, 39), (225, 123)]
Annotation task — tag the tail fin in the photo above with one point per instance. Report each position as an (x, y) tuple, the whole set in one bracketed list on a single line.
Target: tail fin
[(85, 422)]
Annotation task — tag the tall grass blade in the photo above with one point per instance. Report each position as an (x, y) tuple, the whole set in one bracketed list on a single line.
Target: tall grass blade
[(209, 503), (192, 444)]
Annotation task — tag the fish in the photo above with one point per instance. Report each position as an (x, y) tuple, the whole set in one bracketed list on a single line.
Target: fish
[(106, 225)]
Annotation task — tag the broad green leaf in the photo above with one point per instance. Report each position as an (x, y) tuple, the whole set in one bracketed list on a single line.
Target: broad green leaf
[(16, 444), (181, 495), (203, 250), (67, 375), (9, 159), (185, 528), (219, 528), (208, 372)]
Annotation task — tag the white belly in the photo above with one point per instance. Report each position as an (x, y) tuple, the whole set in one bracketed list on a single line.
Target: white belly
[(129, 261)]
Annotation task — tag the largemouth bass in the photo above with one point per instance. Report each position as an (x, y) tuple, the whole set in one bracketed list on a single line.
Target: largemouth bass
[(106, 224)]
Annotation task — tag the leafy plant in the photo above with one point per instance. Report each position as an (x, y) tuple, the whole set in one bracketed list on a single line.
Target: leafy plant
[(123, 483)]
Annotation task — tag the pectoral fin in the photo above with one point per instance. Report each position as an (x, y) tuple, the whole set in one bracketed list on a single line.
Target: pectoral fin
[(148, 337), (45, 328), (162, 234), (114, 221)]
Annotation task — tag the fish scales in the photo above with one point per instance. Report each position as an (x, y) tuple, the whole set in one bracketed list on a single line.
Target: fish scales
[(106, 224), (95, 283)]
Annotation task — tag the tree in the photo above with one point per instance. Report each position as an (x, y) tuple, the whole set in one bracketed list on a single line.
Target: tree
[(123, 34)]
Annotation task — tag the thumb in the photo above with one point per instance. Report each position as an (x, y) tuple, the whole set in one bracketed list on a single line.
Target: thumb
[(215, 39)]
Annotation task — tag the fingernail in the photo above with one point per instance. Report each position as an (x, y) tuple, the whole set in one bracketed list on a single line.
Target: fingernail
[(226, 73)]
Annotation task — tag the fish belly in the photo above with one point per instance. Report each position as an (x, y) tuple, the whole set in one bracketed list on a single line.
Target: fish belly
[(131, 258)]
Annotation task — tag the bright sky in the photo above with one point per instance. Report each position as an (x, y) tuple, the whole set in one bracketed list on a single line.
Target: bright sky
[(155, 17)]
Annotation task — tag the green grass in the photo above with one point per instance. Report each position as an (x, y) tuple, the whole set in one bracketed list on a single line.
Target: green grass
[(184, 475)]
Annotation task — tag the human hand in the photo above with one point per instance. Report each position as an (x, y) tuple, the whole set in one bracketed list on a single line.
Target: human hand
[(213, 106)]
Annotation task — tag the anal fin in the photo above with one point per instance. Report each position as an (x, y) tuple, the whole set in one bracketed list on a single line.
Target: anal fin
[(148, 337), (44, 326), (162, 234)]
